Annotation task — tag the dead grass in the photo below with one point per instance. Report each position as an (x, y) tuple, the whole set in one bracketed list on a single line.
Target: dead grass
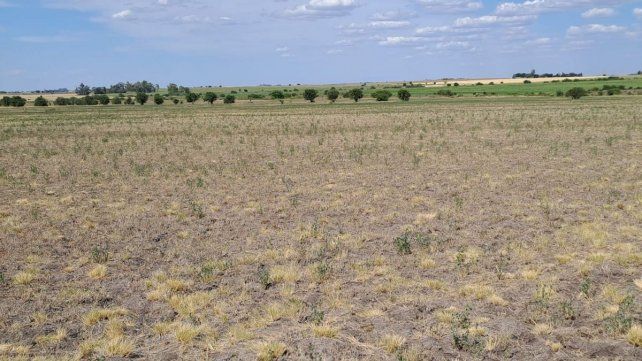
[(268, 231)]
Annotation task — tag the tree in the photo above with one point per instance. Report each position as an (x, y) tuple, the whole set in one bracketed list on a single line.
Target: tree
[(83, 89), (141, 98), (175, 101), (182, 89), (404, 95), (117, 100), (40, 102), (354, 94), (158, 99), (102, 99), (172, 89), (210, 97), (310, 95), (332, 94), (192, 97), (576, 93), (100, 90), (277, 94), (18, 101), (89, 100), (129, 100), (229, 99), (61, 101), (381, 95)]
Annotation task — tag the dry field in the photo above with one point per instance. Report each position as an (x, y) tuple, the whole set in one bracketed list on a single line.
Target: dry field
[(439, 83), (492, 229)]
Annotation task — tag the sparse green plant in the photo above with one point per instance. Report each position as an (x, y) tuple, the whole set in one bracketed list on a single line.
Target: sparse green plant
[(622, 320), (402, 244), (100, 254), (317, 316), (264, 277)]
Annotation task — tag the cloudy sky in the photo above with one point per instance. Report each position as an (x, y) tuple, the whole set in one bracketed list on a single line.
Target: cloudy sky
[(59, 43)]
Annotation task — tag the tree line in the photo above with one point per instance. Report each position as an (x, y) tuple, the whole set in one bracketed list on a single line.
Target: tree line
[(533, 74), (118, 88)]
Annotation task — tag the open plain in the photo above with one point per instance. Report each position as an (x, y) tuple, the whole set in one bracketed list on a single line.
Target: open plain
[(464, 228)]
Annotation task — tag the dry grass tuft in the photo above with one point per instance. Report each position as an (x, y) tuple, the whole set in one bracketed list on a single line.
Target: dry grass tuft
[(325, 331), (99, 272), (392, 343), (95, 316), (271, 351), (25, 277), (634, 336), (53, 338)]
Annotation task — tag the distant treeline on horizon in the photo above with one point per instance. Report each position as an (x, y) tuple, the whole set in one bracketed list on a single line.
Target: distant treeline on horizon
[(533, 74)]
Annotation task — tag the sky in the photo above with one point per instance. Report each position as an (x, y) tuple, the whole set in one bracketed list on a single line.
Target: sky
[(46, 44)]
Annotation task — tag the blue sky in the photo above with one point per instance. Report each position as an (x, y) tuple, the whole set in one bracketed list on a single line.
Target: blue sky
[(60, 43)]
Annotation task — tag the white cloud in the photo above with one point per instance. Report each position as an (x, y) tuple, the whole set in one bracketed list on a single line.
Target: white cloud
[(598, 13), (638, 12), (389, 24), (400, 40), (540, 6), (393, 15), (489, 20), (283, 49), (321, 9), (122, 14), (451, 5), (594, 29), (539, 41), (453, 45)]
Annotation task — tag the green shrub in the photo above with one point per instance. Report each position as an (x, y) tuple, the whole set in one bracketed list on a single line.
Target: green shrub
[(446, 92), (40, 102), (191, 97), (62, 101), (141, 98), (381, 95), (229, 99), (277, 94), (210, 97), (158, 99), (404, 95), (310, 95), (576, 93), (116, 100), (354, 94), (332, 94), (102, 99)]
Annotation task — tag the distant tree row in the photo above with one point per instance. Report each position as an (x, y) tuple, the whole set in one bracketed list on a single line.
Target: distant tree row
[(119, 88), (533, 74), (355, 94)]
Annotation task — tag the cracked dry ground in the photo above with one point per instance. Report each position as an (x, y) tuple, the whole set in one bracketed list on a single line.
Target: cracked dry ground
[(471, 229)]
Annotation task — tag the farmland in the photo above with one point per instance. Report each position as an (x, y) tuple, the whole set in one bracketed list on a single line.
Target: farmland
[(440, 228)]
